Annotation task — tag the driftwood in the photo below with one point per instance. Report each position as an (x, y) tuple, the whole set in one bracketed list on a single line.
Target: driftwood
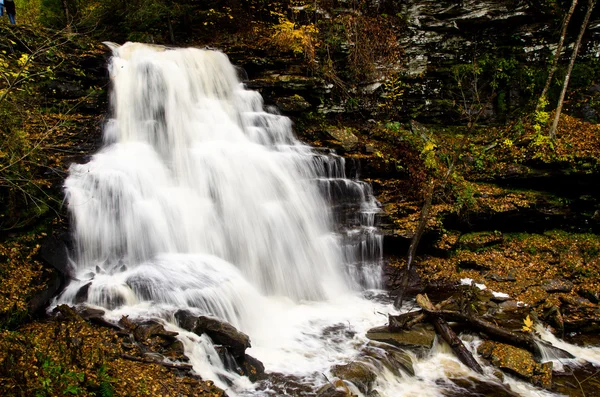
[(410, 319), (185, 367), (442, 328)]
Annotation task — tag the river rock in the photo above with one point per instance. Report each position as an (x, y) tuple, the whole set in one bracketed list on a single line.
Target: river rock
[(253, 368), (223, 333), (186, 319), (517, 362), (358, 373), (394, 359), (557, 286), (331, 390), (147, 329), (419, 336), (82, 295)]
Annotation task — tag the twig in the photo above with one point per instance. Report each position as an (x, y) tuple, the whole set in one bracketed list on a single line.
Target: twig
[(185, 367)]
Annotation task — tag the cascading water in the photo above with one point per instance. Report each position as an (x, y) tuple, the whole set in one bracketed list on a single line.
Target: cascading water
[(201, 200)]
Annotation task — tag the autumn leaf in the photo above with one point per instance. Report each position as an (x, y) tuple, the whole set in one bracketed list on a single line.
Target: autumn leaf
[(528, 327)]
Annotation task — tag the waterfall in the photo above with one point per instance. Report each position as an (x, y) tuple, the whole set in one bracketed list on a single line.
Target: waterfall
[(202, 200)]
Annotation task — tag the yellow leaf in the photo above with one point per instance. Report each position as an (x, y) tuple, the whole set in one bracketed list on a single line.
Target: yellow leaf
[(528, 327)]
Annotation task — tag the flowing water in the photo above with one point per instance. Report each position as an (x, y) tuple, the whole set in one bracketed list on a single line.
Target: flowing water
[(202, 200)]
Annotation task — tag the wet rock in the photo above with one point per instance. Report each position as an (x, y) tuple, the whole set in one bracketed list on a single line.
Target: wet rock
[(420, 336), (338, 332), (557, 286), (346, 139), (89, 313), (383, 355), (331, 390), (517, 362), (253, 368), (41, 300), (294, 103), (223, 333), (552, 316), (82, 294), (147, 329), (186, 319), (369, 149), (55, 252), (358, 373)]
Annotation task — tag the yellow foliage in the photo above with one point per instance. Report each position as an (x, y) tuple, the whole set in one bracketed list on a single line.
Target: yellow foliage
[(300, 40), (428, 155), (528, 327)]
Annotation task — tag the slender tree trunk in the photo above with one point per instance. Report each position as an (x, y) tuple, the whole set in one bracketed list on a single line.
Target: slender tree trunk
[(559, 47), (65, 8), (171, 34), (591, 4)]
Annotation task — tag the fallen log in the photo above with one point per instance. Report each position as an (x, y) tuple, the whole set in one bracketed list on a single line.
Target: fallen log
[(524, 341), (442, 328), (408, 320)]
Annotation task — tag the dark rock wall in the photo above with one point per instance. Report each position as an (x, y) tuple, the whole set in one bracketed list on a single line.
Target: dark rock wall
[(511, 40)]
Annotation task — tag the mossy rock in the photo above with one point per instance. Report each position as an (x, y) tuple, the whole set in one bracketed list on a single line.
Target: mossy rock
[(420, 336), (518, 362), (358, 373)]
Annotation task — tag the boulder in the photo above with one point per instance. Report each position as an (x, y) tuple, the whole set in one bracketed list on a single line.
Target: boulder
[(82, 294), (147, 329), (518, 362), (419, 336), (223, 333), (391, 357), (55, 252), (358, 373), (331, 390), (186, 319), (253, 368)]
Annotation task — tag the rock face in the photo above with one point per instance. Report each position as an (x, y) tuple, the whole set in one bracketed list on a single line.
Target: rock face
[(514, 37)]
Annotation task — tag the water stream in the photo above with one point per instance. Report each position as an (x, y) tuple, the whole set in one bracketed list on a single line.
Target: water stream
[(202, 200)]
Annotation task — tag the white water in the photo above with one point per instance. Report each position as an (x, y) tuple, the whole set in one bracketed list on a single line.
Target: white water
[(202, 200)]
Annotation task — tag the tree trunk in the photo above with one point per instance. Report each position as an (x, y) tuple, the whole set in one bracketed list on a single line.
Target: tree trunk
[(523, 341), (65, 8), (412, 250), (591, 4), (442, 328), (171, 34), (559, 47)]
